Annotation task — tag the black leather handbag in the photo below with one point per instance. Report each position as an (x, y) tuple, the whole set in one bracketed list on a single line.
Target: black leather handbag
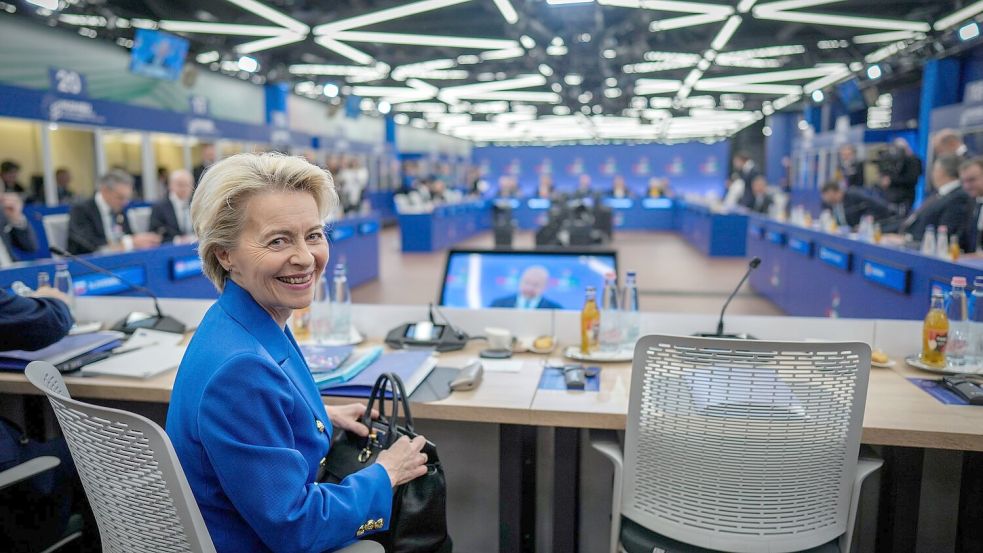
[(418, 523)]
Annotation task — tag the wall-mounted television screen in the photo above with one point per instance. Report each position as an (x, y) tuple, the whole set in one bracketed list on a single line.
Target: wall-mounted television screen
[(158, 55)]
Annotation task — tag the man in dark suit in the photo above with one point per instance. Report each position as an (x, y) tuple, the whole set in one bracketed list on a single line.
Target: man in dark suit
[(760, 200), (207, 160), (101, 222), (15, 232), (850, 168), (32, 323), (745, 171), (971, 176), (9, 171), (850, 205), (532, 284), (950, 205), (171, 217)]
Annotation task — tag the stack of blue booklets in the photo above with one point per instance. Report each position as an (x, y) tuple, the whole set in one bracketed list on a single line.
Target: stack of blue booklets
[(355, 371)]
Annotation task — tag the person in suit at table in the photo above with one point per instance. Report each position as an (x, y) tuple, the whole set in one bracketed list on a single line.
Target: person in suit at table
[(171, 217), (971, 176), (252, 465), (101, 223), (850, 205), (15, 231), (760, 200), (850, 169), (950, 205), (207, 160), (9, 171), (532, 284), (583, 187), (35, 322), (619, 189)]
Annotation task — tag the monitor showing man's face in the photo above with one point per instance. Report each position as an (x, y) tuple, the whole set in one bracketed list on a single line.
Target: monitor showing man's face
[(533, 282)]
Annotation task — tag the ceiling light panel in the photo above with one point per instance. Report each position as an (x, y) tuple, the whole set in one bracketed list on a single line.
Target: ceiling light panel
[(426, 40), (269, 43), (345, 50), (725, 34), (889, 36), (389, 14), (778, 11), (272, 15), (959, 16), (508, 12), (220, 28)]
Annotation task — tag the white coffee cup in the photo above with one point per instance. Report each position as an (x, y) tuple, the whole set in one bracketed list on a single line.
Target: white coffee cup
[(499, 338)]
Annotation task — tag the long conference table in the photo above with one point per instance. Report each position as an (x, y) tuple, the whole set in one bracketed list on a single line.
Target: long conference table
[(918, 433)]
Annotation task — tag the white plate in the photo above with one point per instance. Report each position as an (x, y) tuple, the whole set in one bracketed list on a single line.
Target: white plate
[(620, 356), (890, 363), (916, 362)]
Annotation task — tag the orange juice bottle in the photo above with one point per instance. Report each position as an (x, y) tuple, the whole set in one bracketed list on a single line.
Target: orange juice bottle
[(954, 250), (590, 323), (300, 324), (878, 233), (935, 333)]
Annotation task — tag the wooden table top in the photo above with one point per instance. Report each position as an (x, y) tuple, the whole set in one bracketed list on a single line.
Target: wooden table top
[(897, 413)]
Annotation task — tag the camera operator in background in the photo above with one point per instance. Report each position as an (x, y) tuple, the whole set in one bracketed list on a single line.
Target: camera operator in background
[(899, 170)]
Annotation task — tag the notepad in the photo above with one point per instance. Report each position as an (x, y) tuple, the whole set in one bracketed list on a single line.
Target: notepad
[(63, 350), (153, 352), (355, 364)]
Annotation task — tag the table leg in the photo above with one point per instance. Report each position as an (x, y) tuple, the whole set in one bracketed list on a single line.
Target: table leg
[(901, 480), (566, 489), (517, 489), (969, 535)]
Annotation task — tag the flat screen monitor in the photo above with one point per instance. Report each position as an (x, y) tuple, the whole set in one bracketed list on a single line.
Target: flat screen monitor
[(850, 96), (157, 54), (533, 279)]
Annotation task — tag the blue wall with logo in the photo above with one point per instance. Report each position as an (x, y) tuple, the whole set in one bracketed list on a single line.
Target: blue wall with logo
[(690, 168)]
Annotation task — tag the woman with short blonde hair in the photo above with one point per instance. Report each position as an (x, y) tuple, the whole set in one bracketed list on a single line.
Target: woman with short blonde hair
[(246, 418)]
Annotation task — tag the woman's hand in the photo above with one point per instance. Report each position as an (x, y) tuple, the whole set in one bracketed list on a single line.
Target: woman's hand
[(404, 460), (349, 417)]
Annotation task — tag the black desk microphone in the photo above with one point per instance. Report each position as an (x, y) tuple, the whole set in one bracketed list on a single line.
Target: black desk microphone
[(135, 320), (752, 265)]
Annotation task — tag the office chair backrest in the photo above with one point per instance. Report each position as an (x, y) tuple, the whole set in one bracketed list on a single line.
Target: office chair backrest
[(132, 477), (744, 446), (56, 229)]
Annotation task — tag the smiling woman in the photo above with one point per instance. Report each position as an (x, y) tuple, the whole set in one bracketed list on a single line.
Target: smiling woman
[(246, 418)]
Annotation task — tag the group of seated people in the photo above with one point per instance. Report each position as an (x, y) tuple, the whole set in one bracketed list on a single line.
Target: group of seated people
[(954, 202), (508, 187), (747, 187), (100, 223)]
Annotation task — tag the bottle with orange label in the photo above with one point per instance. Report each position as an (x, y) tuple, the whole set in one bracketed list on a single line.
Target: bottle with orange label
[(935, 332), (590, 323)]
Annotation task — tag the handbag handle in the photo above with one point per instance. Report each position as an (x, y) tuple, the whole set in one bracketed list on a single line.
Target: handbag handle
[(404, 399), (379, 392)]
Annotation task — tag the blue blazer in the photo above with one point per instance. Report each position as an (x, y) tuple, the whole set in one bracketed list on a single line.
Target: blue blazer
[(250, 429)]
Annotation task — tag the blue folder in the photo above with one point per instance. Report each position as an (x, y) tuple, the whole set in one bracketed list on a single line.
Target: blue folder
[(408, 364)]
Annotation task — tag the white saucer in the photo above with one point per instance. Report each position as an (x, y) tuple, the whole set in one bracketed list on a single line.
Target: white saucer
[(619, 356)]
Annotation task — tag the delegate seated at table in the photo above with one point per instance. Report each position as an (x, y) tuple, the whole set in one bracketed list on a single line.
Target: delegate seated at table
[(15, 231), (532, 284), (171, 217), (101, 223), (950, 205), (246, 419), (850, 205)]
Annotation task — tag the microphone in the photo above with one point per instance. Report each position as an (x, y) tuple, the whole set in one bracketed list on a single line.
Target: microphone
[(752, 265), (135, 320)]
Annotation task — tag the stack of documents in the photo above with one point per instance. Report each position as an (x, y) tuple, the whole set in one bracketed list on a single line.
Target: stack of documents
[(412, 366), (67, 354), (147, 353)]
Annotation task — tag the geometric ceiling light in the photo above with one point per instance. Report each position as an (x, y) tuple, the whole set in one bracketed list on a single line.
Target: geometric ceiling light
[(890, 36), (781, 11), (287, 31), (701, 14), (959, 16)]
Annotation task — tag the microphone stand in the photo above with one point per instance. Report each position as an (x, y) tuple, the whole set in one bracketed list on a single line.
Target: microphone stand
[(135, 320), (752, 265)]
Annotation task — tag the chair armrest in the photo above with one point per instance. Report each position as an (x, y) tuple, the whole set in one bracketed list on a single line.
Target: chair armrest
[(362, 547), (606, 443), (26, 470)]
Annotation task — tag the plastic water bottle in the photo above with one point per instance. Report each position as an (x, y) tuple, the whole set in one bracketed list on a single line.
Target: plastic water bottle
[(321, 310), (958, 341), (942, 244), (610, 339), (629, 311), (929, 241), (341, 306), (976, 323), (63, 283)]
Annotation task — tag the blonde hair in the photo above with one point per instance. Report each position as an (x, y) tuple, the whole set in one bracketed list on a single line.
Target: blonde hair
[(218, 206)]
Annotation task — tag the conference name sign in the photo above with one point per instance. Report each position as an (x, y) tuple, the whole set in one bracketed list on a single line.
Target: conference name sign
[(888, 276), (836, 258)]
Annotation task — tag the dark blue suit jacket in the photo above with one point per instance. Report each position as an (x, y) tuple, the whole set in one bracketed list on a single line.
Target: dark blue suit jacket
[(249, 427), (510, 301), (31, 323), (22, 239)]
